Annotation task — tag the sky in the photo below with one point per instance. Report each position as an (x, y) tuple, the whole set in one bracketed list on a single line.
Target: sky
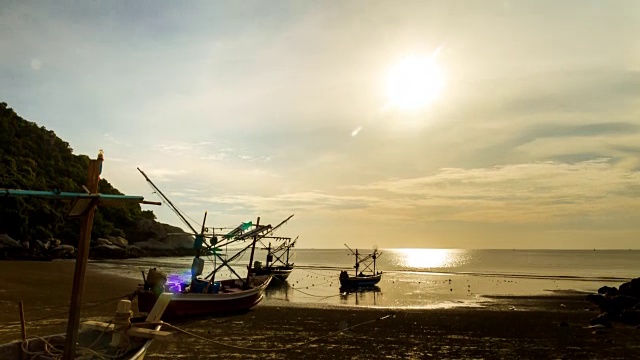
[(528, 135)]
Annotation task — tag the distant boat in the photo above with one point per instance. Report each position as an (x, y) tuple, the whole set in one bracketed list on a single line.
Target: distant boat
[(368, 277), (277, 262)]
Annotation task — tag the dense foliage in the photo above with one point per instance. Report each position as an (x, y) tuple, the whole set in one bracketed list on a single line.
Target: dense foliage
[(34, 158)]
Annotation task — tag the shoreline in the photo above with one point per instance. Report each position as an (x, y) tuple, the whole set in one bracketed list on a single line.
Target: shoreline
[(542, 327)]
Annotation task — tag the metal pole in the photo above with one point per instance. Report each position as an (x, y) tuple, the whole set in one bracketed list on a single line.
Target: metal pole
[(93, 177), (253, 249)]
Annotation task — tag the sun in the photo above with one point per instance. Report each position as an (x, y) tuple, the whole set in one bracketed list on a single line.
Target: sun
[(414, 82)]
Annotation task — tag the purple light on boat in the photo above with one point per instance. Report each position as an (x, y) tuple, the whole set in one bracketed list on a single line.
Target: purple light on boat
[(175, 281)]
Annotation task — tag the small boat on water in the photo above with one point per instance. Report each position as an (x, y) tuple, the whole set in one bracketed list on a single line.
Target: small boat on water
[(277, 262), (368, 276), (201, 296)]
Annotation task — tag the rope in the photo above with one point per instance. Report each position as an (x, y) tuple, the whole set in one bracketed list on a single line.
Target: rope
[(289, 347), (314, 273), (85, 353), (49, 308), (88, 305)]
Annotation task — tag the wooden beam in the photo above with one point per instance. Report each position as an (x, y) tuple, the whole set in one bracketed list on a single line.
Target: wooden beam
[(82, 255), (158, 308), (133, 331), (23, 326), (98, 325), (149, 333)]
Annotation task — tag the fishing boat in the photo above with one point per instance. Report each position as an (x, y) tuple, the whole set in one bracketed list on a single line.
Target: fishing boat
[(125, 342), (277, 261), (368, 276), (204, 295)]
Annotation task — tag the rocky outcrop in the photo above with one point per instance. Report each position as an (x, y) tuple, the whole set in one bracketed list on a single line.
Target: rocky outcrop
[(6, 242), (63, 252), (151, 238), (618, 304), (103, 242), (172, 236), (118, 241), (10, 248), (136, 252), (157, 248), (108, 252)]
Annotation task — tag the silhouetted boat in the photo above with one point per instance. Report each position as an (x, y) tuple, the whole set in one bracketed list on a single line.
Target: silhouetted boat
[(361, 278), (277, 264)]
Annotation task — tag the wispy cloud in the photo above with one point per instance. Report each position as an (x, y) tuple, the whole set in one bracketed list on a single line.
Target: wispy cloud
[(536, 192)]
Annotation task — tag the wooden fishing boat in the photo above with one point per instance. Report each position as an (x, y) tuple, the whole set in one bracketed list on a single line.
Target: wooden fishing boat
[(125, 342), (204, 295), (277, 262), (280, 273), (230, 296), (96, 340), (368, 276)]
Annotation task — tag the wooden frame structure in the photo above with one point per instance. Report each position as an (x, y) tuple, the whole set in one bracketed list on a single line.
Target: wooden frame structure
[(84, 206)]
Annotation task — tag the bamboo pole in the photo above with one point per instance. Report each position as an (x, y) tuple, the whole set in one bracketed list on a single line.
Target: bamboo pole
[(23, 325), (93, 177)]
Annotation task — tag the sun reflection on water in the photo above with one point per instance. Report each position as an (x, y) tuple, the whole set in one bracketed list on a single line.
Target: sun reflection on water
[(429, 258)]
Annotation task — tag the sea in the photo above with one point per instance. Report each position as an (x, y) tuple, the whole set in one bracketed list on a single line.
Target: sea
[(417, 278)]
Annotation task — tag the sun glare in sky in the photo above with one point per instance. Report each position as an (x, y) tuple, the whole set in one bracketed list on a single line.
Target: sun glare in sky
[(414, 82)]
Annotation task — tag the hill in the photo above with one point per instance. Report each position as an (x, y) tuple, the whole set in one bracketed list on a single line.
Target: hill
[(34, 158)]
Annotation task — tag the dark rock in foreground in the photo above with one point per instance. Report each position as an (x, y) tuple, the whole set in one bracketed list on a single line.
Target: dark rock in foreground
[(617, 304)]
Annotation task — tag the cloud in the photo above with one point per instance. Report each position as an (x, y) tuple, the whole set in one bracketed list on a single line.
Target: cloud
[(111, 139), (311, 201), (165, 174), (521, 193)]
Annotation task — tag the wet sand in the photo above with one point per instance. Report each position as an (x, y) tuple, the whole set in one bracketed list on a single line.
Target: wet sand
[(543, 327)]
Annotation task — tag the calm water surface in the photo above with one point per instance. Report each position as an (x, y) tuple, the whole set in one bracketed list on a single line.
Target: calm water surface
[(423, 278)]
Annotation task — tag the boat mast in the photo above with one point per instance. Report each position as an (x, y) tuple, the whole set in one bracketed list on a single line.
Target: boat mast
[(93, 177), (357, 263), (253, 249), (374, 262), (268, 253), (166, 199)]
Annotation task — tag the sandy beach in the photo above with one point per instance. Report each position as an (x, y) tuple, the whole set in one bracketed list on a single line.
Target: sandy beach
[(543, 327)]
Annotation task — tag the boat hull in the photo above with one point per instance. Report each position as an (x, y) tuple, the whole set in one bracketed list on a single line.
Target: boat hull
[(360, 281), (13, 350), (279, 272), (183, 305)]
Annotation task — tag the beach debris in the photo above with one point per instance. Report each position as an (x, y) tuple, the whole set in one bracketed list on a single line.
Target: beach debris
[(563, 305), (602, 319), (597, 326)]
